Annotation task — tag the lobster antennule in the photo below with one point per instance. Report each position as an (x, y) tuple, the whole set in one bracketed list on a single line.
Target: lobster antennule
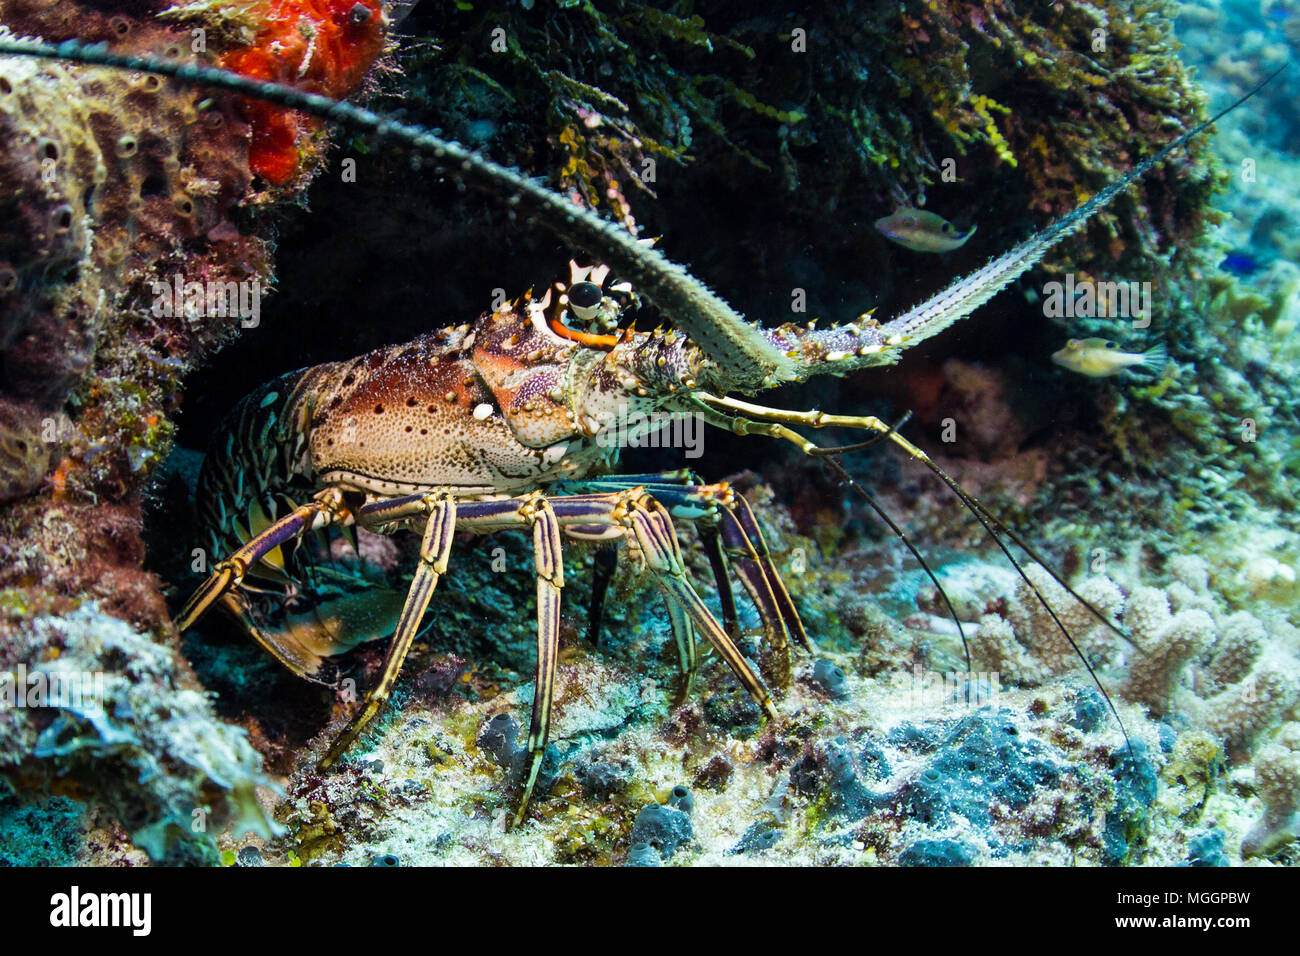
[(738, 347), (746, 418)]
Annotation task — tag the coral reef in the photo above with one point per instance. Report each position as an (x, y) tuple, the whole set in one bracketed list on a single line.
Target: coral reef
[(100, 715), (121, 192), (1277, 780), (114, 183), (25, 454), (323, 47), (833, 96), (878, 782), (1229, 329), (1216, 666)]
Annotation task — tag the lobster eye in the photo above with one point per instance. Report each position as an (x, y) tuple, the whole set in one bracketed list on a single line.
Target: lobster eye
[(584, 299), (584, 295)]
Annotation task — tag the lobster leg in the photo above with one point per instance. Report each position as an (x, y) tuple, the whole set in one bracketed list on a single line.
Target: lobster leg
[(289, 652), (653, 532), (606, 560), (775, 659), (549, 562), (630, 513), (648, 527), (747, 524), (746, 548), (683, 634), (747, 552), (533, 510), (684, 638), (230, 572), (685, 496), (712, 545), (743, 547), (223, 586), (435, 547)]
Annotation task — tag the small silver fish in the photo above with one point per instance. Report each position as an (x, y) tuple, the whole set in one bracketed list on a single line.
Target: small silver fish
[(922, 231), (1098, 358)]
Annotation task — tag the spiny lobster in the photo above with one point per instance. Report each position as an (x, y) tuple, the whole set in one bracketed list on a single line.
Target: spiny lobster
[(497, 424)]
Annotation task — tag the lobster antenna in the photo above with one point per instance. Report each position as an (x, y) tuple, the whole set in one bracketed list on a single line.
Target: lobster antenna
[(974, 505), (737, 346), (816, 419), (989, 522), (988, 518)]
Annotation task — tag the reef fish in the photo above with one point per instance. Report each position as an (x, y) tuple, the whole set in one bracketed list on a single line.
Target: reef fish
[(922, 231), (1239, 263), (1098, 358)]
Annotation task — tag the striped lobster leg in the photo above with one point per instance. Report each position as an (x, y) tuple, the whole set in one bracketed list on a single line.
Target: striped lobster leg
[(606, 561), (442, 515), (435, 547), (223, 586), (711, 542), (653, 531), (603, 566), (549, 562), (731, 536), (748, 551), (647, 526), (629, 513)]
